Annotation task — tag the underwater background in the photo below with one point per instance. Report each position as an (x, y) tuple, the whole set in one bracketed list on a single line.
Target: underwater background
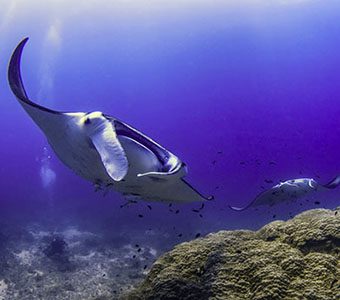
[(246, 93)]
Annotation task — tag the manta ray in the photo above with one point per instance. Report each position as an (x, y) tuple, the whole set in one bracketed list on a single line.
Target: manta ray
[(106, 151), (289, 190)]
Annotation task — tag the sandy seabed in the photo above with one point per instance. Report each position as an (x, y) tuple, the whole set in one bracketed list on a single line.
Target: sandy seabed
[(68, 264)]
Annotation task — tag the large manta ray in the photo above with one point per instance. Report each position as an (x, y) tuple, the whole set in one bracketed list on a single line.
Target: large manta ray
[(288, 191), (106, 151)]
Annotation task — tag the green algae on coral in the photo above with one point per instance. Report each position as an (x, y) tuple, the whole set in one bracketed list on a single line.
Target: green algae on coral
[(296, 259)]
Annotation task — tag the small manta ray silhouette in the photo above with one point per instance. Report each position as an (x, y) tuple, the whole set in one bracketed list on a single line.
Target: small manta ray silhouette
[(106, 151), (287, 191)]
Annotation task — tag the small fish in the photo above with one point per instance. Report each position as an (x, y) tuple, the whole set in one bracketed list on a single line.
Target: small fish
[(268, 181), (97, 186), (197, 235), (177, 211), (272, 162), (128, 203), (149, 207), (140, 216)]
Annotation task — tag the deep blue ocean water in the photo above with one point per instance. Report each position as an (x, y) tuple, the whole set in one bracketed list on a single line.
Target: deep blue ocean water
[(243, 92)]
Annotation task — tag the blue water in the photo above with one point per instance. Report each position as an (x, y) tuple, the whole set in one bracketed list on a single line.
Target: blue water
[(241, 91)]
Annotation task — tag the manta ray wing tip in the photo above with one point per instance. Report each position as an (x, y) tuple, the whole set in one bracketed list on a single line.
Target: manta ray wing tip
[(236, 208), (21, 45)]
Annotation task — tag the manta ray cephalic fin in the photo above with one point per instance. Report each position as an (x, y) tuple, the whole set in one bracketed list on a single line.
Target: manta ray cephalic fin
[(104, 138)]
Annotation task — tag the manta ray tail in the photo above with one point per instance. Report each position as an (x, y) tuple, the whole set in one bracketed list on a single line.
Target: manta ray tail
[(333, 183)]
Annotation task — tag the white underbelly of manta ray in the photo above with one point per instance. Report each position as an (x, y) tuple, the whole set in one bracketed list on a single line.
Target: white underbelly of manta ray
[(88, 164), (105, 150)]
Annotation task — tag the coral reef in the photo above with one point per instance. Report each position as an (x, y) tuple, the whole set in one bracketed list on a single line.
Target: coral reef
[(296, 259)]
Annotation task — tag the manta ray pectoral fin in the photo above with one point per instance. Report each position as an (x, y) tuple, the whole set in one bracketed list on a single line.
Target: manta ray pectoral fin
[(186, 187), (14, 74), (104, 138), (333, 183), (257, 199), (15, 80), (180, 188), (47, 119), (238, 208), (242, 208)]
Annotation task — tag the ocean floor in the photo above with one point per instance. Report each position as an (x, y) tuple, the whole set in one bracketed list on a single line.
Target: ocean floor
[(68, 264)]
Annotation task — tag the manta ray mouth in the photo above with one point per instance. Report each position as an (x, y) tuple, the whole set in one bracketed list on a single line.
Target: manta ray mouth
[(169, 162)]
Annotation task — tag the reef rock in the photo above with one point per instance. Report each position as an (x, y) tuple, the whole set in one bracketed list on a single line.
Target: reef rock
[(296, 259)]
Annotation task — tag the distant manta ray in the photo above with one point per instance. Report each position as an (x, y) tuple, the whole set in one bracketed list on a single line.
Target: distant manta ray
[(288, 190), (106, 151)]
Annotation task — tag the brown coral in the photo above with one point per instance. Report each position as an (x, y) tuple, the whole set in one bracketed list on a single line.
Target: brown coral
[(297, 259)]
